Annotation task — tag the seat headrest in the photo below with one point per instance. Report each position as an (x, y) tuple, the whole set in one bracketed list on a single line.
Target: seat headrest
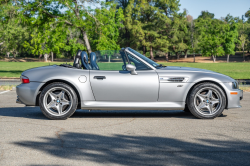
[(77, 59), (84, 59), (93, 61)]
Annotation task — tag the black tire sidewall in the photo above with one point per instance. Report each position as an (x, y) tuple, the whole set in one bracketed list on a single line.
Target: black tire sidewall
[(191, 106), (74, 100)]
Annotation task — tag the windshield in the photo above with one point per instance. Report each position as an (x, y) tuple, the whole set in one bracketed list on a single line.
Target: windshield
[(144, 58)]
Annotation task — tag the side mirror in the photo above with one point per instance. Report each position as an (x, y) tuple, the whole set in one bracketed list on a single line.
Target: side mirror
[(131, 68)]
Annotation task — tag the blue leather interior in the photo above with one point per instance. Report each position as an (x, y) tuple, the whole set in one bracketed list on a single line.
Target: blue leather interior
[(77, 59), (93, 61), (84, 59)]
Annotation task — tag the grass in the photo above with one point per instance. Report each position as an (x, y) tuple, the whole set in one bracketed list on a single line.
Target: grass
[(245, 88), (7, 87), (234, 70), (14, 69)]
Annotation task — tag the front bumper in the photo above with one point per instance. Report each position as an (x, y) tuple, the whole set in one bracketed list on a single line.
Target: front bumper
[(27, 93), (234, 98)]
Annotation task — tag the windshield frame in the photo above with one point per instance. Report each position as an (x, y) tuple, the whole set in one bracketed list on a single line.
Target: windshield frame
[(143, 58)]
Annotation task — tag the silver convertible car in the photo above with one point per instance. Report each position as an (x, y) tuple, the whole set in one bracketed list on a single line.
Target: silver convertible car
[(126, 80)]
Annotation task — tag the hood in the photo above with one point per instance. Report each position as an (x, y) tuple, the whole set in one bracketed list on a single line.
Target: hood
[(190, 69)]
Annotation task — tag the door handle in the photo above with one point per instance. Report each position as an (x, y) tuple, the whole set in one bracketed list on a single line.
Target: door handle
[(99, 77)]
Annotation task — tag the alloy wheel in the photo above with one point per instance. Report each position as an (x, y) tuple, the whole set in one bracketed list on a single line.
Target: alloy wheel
[(57, 101), (207, 101)]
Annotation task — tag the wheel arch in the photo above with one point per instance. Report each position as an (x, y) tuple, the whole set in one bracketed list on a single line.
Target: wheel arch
[(63, 81), (209, 81)]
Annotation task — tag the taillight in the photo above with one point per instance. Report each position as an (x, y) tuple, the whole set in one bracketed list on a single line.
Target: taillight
[(25, 80)]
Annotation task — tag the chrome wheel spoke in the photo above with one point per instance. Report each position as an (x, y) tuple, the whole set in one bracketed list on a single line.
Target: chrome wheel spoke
[(201, 97), (52, 96), (52, 104), (201, 105), (65, 102), (210, 108), (215, 102), (61, 94), (209, 94), (59, 109)]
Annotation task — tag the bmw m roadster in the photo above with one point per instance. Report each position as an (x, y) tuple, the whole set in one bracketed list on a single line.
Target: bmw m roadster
[(126, 80)]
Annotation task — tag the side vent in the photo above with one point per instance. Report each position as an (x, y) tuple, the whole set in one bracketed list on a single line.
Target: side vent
[(176, 79), (173, 79)]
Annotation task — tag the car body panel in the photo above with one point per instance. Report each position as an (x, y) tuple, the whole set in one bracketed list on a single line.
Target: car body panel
[(71, 75), (122, 86), (27, 92)]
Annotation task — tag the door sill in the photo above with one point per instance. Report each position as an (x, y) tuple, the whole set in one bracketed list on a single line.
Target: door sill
[(107, 105)]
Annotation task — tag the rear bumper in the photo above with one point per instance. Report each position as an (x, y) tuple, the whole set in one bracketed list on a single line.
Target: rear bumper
[(27, 93), (234, 98)]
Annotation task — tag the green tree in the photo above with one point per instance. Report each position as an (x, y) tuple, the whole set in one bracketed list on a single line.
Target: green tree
[(107, 35), (211, 37), (206, 14), (247, 15), (230, 37), (243, 43), (178, 35), (74, 14), (148, 23), (13, 32)]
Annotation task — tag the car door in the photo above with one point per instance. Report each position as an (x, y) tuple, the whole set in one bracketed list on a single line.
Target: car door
[(121, 85)]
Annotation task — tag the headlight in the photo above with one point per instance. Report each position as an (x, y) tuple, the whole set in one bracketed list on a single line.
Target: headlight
[(235, 85)]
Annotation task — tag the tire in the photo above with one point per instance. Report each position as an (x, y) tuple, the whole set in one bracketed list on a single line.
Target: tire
[(206, 101), (58, 101), (186, 109)]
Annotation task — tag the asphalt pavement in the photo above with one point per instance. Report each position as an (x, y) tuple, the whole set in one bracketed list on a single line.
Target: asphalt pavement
[(125, 138)]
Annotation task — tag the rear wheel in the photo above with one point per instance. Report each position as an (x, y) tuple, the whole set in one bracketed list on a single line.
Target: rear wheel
[(58, 101), (206, 101)]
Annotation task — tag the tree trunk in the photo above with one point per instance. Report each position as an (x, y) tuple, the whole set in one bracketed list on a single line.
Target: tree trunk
[(186, 53), (214, 58), (227, 58), (177, 55), (8, 54), (86, 40), (194, 57), (52, 56), (243, 54), (45, 57), (166, 57), (144, 50), (151, 53)]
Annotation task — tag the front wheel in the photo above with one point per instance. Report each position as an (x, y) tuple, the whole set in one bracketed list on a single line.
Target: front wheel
[(58, 101), (206, 101)]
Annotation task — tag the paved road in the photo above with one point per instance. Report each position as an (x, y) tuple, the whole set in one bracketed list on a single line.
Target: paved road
[(122, 138)]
